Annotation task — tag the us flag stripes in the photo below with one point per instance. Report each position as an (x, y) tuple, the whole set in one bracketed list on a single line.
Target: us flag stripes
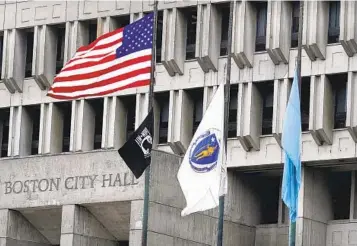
[(115, 61)]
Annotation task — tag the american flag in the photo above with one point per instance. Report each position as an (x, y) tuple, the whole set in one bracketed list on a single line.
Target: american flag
[(115, 61)]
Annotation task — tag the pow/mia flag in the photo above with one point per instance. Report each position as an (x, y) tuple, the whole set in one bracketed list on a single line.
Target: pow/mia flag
[(136, 152)]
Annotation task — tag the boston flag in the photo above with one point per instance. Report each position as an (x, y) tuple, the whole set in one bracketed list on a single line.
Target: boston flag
[(202, 174), (116, 60)]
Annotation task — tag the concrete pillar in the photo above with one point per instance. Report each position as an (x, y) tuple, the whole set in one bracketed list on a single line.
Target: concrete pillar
[(70, 45), (321, 120), (281, 96), (136, 222), (173, 41), (82, 126), (114, 123), (315, 208), (13, 65), (351, 115), (180, 121), (208, 92), (348, 33), (142, 101), (208, 38), (249, 116), (17, 230), (314, 39), (45, 49), (51, 129), (80, 228)]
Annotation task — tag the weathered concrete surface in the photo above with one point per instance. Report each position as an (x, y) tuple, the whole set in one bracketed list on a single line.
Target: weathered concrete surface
[(56, 180)]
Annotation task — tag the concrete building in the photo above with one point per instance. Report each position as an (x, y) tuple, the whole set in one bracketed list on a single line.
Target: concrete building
[(62, 181)]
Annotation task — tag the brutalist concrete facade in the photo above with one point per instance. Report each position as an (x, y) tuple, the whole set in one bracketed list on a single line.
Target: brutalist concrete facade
[(63, 183)]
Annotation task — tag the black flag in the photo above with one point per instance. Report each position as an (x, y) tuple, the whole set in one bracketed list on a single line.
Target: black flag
[(136, 152)]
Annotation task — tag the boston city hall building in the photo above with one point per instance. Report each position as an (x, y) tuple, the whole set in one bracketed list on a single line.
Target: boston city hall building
[(62, 181)]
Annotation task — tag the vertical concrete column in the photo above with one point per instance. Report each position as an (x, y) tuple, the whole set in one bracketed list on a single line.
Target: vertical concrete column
[(321, 109), (20, 132), (249, 116), (45, 49), (281, 96), (142, 101), (17, 230), (13, 65), (136, 222), (114, 123), (180, 121), (173, 41), (105, 25), (51, 129), (351, 114), (348, 33), (279, 31), (244, 31), (71, 41), (208, 38), (80, 228), (314, 39), (208, 92), (82, 126), (315, 208)]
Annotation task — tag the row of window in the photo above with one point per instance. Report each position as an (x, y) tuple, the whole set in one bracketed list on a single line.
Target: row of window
[(266, 90), (90, 28)]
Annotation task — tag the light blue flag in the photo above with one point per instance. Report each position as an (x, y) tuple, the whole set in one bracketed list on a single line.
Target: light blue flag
[(291, 140)]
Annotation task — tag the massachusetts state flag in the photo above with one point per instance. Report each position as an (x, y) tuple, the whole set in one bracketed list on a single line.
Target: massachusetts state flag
[(115, 61)]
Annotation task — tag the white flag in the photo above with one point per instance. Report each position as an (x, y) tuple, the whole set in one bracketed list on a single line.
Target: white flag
[(202, 174)]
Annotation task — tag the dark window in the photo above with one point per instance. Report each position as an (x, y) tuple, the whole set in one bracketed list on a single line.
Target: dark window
[(92, 31), (266, 90), (160, 18), (60, 48), (334, 22), (121, 21), (232, 120), (191, 17), (66, 111), (224, 29), (4, 121), (340, 191), (295, 23), (339, 83), (1, 51), (305, 103), (29, 52), (163, 101), (130, 105), (260, 40), (34, 112), (123, 243), (197, 100), (97, 106)]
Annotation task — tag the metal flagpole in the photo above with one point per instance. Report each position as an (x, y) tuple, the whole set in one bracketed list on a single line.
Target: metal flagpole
[(292, 226), (226, 113), (150, 105)]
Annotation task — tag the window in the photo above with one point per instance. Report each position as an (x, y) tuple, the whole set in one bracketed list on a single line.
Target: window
[(197, 100), (334, 22), (160, 18), (97, 106), (260, 40), (92, 31), (60, 31), (130, 105), (305, 103), (224, 29), (295, 23), (66, 111), (191, 17), (340, 194), (266, 90), (339, 83), (4, 134), (232, 117), (163, 101), (120, 21), (29, 52), (34, 112)]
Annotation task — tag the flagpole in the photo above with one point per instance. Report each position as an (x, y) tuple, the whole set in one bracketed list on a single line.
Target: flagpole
[(150, 105), (226, 120), (292, 226)]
